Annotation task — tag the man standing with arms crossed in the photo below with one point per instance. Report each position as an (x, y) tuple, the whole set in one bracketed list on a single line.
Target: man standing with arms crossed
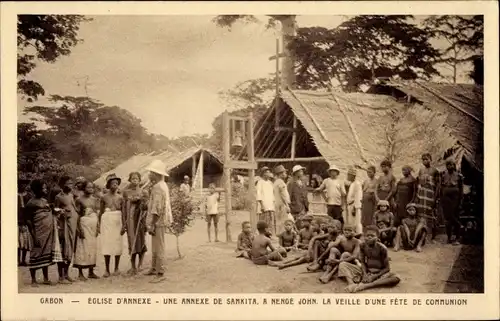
[(159, 217)]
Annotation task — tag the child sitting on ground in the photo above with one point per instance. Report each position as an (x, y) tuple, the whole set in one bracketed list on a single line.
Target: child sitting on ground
[(307, 232), (374, 271), (289, 239), (263, 252), (244, 245), (412, 232), (345, 249), (319, 245), (383, 219)]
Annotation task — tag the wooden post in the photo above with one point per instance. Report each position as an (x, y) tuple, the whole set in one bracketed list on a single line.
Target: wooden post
[(202, 172), (193, 169), (294, 137), (227, 171), (277, 108), (251, 172)]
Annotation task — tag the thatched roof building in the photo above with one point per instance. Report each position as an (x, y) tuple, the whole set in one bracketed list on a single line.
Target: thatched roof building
[(462, 103), (347, 130), (196, 162)]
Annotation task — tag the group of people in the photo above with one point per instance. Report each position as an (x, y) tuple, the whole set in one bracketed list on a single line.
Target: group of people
[(366, 219), (65, 225), (381, 201)]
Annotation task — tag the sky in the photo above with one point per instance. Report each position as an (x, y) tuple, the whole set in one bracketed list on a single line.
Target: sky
[(166, 70)]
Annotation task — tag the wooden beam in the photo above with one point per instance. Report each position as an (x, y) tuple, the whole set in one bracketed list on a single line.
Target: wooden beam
[(227, 172), (297, 159), (201, 162), (251, 172), (233, 164), (294, 136), (193, 169), (240, 118)]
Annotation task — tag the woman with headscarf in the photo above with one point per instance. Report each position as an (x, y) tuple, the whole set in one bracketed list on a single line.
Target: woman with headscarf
[(451, 201), (86, 243), (135, 210), (43, 229), (111, 222), (405, 193)]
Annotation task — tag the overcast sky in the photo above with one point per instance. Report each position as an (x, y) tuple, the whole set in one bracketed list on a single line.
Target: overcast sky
[(166, 70)]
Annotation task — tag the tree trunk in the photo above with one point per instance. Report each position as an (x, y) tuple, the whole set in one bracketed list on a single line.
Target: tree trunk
[(177, 246), (288, 32)]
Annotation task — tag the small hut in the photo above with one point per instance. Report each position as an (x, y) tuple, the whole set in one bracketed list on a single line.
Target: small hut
[(201, 164)]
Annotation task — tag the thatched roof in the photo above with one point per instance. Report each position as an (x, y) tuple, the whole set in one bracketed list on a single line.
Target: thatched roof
[(138, 163), (464, 105), (346, 128), (355, 129)]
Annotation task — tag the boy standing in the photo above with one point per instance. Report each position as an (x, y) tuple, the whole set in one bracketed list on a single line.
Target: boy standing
[(263, 252), (335, 191), (265, 197), (374, 271), (212, 211)]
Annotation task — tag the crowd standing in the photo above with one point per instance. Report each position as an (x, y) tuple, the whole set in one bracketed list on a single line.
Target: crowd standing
[(61, 226), (366, 218)]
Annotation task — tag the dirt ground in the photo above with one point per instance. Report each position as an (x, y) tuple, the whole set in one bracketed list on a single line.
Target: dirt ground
[(212, 268)]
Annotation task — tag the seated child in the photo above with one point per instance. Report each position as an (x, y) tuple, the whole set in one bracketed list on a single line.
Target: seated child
[(345, 249), (244, 245), (374, 271), (412, 232), (319, 245), (306, 233), (305, 257), (383, 219), (263, 252), (289, 239)]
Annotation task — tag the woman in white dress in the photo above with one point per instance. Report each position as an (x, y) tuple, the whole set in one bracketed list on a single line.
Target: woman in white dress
[(86, 243)]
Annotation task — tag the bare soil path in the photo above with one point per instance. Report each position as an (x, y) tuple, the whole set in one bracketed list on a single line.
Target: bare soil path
[(212, 268)]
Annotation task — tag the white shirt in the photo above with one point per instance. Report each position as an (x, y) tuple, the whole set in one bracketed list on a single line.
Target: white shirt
[(335, 189), (355, 194), (212, 204), (265, 194)]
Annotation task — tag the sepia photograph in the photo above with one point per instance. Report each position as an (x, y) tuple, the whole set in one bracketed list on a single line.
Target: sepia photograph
[(250, 154)]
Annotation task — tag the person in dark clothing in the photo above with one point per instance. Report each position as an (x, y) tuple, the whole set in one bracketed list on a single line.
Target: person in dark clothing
[(299, 204)]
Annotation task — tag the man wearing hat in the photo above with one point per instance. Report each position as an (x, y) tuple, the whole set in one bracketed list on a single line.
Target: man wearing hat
[(159, 217), (354, 199), (282, 198), (265, 198), (335, 192), (185, 188), (111, 223), (299, 203)]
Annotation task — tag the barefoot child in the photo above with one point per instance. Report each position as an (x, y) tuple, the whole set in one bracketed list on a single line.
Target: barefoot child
[(289, 239), (345, 249), (245, 239), (263, 252), (320, 243), (306, 233), (384, 221), (212, 211), (374, 271), (412, 231)]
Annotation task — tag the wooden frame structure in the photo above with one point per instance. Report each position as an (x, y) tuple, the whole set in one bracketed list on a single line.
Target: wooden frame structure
[(231, 163)]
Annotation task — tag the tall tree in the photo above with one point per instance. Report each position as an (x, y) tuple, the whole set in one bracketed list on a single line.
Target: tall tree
[(462, 37), (362, 49), (43, 38)]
